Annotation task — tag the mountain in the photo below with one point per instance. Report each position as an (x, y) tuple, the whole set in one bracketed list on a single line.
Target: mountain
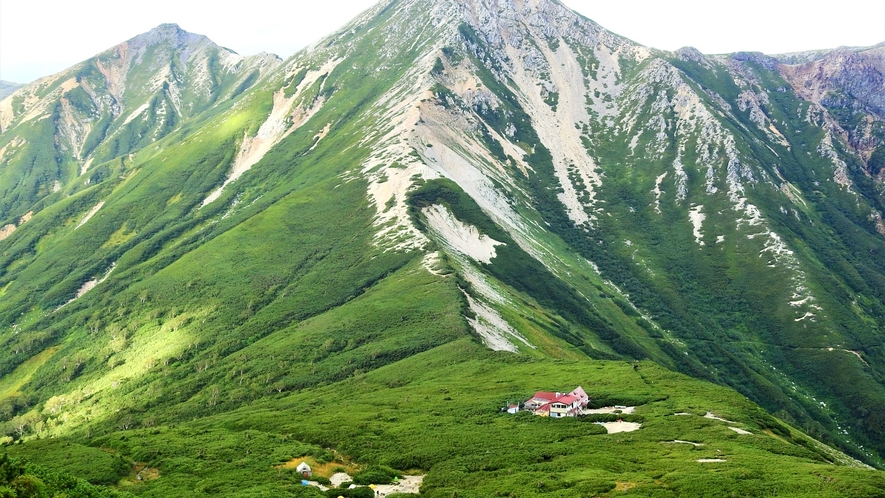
[(848, 83), (213, 265), (7, 87), (111, 105)]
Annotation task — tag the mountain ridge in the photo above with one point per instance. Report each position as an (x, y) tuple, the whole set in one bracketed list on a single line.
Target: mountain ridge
[(7, 88)]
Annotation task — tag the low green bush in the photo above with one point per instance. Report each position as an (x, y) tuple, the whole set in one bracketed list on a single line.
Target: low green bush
[(359, 492), (378, 474)]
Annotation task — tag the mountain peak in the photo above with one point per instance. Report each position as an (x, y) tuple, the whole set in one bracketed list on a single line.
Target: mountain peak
[(168, 26), (168, 33)]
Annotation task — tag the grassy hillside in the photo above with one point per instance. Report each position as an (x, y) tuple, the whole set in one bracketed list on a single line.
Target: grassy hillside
[(439, 413)]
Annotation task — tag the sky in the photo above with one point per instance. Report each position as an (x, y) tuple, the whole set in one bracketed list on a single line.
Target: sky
[(41, 37)]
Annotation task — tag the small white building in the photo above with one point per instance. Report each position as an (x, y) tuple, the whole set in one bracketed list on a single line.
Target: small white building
[(304, 469)]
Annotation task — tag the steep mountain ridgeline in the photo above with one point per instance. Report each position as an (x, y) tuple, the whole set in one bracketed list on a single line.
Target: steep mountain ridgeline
[(192, 235), (83, 123), (141, 242)]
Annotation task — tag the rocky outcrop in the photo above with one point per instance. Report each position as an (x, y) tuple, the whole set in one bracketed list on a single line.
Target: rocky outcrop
[(849, 83)]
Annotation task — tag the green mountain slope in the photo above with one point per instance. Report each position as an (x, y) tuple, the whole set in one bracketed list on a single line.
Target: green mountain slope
[(213, 264)]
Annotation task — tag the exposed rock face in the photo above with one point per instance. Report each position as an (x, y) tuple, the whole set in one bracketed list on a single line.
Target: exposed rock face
[(857, 74), (850, 84)]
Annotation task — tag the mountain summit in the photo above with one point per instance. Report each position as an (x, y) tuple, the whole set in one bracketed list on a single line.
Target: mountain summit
[(117, 102), (212, 263)]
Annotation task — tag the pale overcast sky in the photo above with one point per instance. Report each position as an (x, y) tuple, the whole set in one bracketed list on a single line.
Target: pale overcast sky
[(41, 37)]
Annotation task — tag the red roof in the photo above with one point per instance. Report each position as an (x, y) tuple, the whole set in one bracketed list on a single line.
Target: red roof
[(567, 399), (544, 396)]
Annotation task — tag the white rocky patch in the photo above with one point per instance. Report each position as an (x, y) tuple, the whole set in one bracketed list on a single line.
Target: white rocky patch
[(85, 167), (471, 167), (321, 135), (7, 229), (437, 135), (740, 431), (680, 441), (556, 129), (460, 236), (697, 219), (681, 177), (136, 113), (791, 191), (11, 147), (432, 263), (454, 156), (826, 149), (712, 416), (494, 330), (657, 191), (388, 186), (7, 114), (281, 122), (616, 427), (465, 246), (398, 134), (72, 129), (230, 61), (538, 70), (800, 302), (479, 282), (36, 107), (90, 214), (606, 81), (88, 286)]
